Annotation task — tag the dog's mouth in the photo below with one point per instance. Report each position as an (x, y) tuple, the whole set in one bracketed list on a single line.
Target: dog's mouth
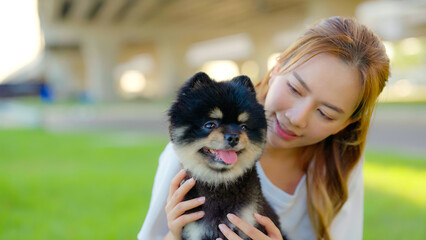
[(225, 157)]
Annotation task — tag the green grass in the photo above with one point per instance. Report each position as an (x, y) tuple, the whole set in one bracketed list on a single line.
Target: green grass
[(98, 185), (395, 196), (80, 186)]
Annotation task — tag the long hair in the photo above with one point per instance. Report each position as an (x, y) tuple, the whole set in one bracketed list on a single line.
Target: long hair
[(328, 163)]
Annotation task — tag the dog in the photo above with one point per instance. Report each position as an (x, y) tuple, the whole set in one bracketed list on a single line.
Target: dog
[(218, 130)]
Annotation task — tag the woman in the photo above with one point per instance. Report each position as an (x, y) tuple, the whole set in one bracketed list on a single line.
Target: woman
[(318, 100)]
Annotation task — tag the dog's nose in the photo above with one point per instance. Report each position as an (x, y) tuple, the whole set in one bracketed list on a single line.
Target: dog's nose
[(232, 139)]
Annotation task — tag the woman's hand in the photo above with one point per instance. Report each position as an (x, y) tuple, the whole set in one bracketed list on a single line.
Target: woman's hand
[(175, 207), (254, 233)]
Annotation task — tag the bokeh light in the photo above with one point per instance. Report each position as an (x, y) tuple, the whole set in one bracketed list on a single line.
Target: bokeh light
[(221, 70), (272, 60), (411, 46), (132, 81), (403, 87)]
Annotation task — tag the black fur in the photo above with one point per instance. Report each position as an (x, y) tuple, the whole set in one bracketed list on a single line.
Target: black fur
[(190, 112), (224, 199)]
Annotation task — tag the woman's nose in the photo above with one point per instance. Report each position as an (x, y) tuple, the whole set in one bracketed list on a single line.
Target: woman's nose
[(299, 115)]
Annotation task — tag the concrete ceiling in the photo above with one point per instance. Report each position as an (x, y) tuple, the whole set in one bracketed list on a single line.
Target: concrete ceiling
[(63, 20)]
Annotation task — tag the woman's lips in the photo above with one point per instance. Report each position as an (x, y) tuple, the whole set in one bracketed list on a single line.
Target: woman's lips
[(284, 133)]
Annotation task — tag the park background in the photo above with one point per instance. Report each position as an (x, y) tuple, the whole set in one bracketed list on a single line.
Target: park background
[(85, 86)]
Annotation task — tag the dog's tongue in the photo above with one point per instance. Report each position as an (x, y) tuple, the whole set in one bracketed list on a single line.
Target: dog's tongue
[(229, 157)]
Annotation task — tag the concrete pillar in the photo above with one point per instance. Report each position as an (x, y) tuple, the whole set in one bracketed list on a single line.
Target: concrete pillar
[(64, 72), (170, 60), (100, 53)]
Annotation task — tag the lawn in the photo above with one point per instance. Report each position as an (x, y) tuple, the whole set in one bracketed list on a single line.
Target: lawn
[(97, 186)]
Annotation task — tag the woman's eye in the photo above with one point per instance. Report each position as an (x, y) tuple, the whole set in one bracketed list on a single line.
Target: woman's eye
[(210, 125), (325, 116), (293, 89)]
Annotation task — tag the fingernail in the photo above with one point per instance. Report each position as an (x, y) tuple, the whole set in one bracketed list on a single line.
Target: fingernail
[(221, 226), (201, 213), (230, 216), (191, 180), (201, 199), (257, 215)]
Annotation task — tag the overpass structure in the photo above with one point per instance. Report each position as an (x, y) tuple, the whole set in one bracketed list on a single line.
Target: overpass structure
[(89, 44)]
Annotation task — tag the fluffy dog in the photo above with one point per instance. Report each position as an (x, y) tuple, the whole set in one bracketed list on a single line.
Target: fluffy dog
[(219, 131)]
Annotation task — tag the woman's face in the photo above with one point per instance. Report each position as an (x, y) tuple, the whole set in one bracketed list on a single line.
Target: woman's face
[(311, 102)]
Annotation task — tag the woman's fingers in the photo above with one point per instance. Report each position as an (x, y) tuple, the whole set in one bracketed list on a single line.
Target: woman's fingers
[(175, 183), (175, 208), (182, 207), (180, 193), (272, 230), (229, 234), (246, 228), (187, 218)]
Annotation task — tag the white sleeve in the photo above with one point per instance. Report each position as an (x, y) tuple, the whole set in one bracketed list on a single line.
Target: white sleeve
[(155, 224), (348, 223)]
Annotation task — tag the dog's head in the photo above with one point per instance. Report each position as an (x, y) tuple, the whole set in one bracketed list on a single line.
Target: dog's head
[(218, 128)]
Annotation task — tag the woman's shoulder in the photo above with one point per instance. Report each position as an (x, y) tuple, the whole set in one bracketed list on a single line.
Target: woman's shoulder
[(168, 155), (168, 161), (168, 167), (168, 164)]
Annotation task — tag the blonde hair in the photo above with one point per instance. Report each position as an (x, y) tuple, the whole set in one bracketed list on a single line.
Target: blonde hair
[(329, 162)]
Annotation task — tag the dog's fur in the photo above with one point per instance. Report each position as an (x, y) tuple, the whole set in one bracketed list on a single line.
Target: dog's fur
[(225, 117)]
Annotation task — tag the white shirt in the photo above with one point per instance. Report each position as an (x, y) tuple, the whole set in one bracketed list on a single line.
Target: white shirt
[(291, 209)]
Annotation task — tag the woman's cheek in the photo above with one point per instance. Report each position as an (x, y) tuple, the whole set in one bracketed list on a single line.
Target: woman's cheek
[(321, 132), (317, 133)]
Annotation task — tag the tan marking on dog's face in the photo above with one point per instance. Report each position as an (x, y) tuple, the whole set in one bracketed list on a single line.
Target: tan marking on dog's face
[(216, 139), (244, 140), (216, 114), (243, 117)]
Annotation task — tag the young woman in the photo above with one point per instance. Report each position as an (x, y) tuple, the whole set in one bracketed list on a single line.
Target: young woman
[(318, 100)]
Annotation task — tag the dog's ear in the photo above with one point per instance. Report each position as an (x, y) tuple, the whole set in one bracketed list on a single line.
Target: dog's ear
[(198, 80), (245, 81)]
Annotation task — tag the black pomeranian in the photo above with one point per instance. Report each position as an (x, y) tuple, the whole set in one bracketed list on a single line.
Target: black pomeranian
[(219, 131)]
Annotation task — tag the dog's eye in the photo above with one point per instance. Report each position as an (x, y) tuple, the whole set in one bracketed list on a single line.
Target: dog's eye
[(243, 127), (210, 125)]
